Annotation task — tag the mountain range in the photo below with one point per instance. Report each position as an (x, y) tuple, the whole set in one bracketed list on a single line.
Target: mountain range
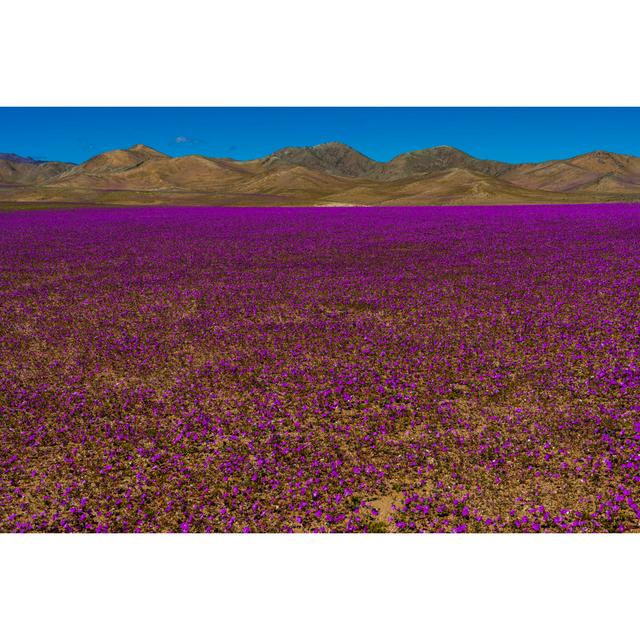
[(326, 174)]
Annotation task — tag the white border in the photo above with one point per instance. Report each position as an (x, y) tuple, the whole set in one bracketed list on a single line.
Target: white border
[(338, 52), (306, 586)]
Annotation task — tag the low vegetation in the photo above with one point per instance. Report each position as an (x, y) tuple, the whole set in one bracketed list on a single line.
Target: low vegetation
[(322, 370)]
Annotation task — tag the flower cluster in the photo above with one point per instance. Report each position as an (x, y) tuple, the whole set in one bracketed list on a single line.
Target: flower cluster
[(462, 369)]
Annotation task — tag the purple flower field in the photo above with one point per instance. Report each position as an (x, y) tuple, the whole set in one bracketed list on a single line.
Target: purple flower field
[(462, 369)]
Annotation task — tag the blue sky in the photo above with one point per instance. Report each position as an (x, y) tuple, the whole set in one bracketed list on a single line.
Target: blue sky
[(507, 134)]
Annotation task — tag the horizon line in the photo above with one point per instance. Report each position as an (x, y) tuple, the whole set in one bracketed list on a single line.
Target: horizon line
[(313, 146)]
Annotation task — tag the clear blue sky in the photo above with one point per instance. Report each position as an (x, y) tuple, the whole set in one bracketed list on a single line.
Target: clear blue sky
[(508, 134)]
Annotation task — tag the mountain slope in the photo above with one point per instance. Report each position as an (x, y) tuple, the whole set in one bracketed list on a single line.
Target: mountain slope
[(154, 172), (12, 157), (332, 157), (331, 173), (340, 159), (441, 187), (581, 173), (437, 159), (119, 159), (288, 180), (14, 172)]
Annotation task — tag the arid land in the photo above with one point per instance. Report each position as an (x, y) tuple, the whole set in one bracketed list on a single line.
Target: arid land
[(331, 174)]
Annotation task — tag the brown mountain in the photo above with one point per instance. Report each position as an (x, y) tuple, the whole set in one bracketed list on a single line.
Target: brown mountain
[(331, 173), (120, 159), (448, 186), (15, 170), (340, 159), (583, 173), (297, 182), (606, 162), (116, 170), (334, 158), (12, 157), (437, 159)]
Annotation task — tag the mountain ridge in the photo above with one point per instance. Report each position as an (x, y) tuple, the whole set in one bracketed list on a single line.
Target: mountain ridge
[(327, 172)]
